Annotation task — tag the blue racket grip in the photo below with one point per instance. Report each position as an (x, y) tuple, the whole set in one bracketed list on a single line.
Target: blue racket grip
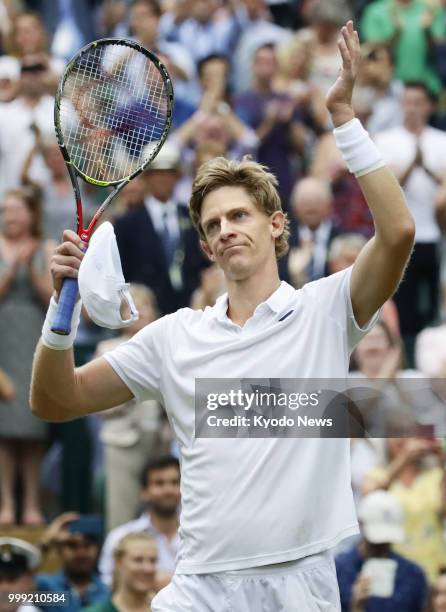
[(65, 307)]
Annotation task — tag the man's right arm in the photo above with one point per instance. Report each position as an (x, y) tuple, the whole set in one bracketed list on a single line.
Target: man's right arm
[(59, 391)]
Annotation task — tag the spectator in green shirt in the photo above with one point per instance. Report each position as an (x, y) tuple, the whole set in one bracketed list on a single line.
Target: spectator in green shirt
[(134, 575), (410, 27)]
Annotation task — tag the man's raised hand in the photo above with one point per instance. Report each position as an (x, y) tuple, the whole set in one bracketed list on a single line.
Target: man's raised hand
[(67, 259), (339, 96)]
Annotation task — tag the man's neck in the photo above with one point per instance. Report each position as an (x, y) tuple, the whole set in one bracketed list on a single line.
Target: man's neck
[(31, 101), (321, 224), (245, 296), (371, 370), (263, 87), (367, 550), (79, 582), (205, 22), (165, 525), (416, 129), (149, 197), (149, 43)]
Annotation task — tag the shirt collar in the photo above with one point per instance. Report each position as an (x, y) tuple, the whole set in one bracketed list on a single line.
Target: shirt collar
[(322, 231), (144, 520), (276, 301), (152, 204)]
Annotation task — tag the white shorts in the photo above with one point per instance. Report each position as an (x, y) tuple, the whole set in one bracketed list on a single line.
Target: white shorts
[(305, 585)]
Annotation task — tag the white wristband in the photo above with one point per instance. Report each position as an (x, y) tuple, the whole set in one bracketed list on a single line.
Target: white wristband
[(59, 342), (358, 150)]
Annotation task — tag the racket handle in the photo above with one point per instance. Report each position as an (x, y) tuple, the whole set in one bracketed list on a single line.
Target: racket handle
[(65, 307)]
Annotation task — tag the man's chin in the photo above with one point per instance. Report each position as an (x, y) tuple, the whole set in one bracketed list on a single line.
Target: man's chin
[(167, 511), (237, 271), (233, 261)]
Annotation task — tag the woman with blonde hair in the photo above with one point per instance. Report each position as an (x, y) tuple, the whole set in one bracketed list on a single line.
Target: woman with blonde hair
[(133, 586)]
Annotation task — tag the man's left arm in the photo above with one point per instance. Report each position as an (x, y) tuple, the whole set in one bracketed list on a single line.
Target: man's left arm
[(380, 265)]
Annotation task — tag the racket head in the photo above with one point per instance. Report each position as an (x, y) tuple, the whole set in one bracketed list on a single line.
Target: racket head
[(110, 123)]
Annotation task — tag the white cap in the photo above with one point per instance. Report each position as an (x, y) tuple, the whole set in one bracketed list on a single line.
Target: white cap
[(13, 552), (9, 68), (168, 158), (382, 518)]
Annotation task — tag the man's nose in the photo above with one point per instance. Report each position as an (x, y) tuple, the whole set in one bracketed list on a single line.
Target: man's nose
[(226, 228)]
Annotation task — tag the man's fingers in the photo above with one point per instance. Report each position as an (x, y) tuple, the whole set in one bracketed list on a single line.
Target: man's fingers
[(70, 236), (345, 54), (67, 260), (62, 272), (350, 30), (349, 40), (69, 248), (66, 517)]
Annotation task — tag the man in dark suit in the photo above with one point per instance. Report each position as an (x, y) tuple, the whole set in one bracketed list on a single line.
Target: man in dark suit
[(311, 232), (157, 243)]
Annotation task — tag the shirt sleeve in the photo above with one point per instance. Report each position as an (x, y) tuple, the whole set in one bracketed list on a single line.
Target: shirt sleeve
[(139, 361), (354, 331), (334, 296)]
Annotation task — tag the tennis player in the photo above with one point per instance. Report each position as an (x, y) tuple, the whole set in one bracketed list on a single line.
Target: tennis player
[(259, 516)]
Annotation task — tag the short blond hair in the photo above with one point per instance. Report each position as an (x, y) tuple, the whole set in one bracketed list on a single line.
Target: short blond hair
[(259, 183), (121, 549)]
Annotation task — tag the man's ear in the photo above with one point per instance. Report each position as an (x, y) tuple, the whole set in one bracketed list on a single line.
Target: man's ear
[(277, 223), (206, 250)]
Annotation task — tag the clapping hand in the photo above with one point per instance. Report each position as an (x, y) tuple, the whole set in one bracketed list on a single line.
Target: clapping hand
[(24, 255)]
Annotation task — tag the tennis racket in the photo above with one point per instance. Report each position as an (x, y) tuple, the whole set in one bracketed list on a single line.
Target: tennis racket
[(112, 114)]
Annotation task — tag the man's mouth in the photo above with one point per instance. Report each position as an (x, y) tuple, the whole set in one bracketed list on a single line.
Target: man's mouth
[(232, 246)]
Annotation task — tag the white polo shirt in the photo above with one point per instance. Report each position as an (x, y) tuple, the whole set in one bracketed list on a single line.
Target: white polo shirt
[(248, 502)]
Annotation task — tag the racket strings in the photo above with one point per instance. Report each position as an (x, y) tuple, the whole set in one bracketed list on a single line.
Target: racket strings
[(114, 111)]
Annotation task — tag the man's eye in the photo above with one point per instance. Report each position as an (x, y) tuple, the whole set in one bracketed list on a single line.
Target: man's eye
[(211, 226), (240, 214)]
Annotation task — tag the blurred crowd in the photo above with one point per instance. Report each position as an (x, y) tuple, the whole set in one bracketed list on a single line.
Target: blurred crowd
[(250, 77)]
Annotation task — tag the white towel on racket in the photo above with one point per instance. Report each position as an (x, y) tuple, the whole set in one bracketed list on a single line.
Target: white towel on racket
[(102, 285)]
